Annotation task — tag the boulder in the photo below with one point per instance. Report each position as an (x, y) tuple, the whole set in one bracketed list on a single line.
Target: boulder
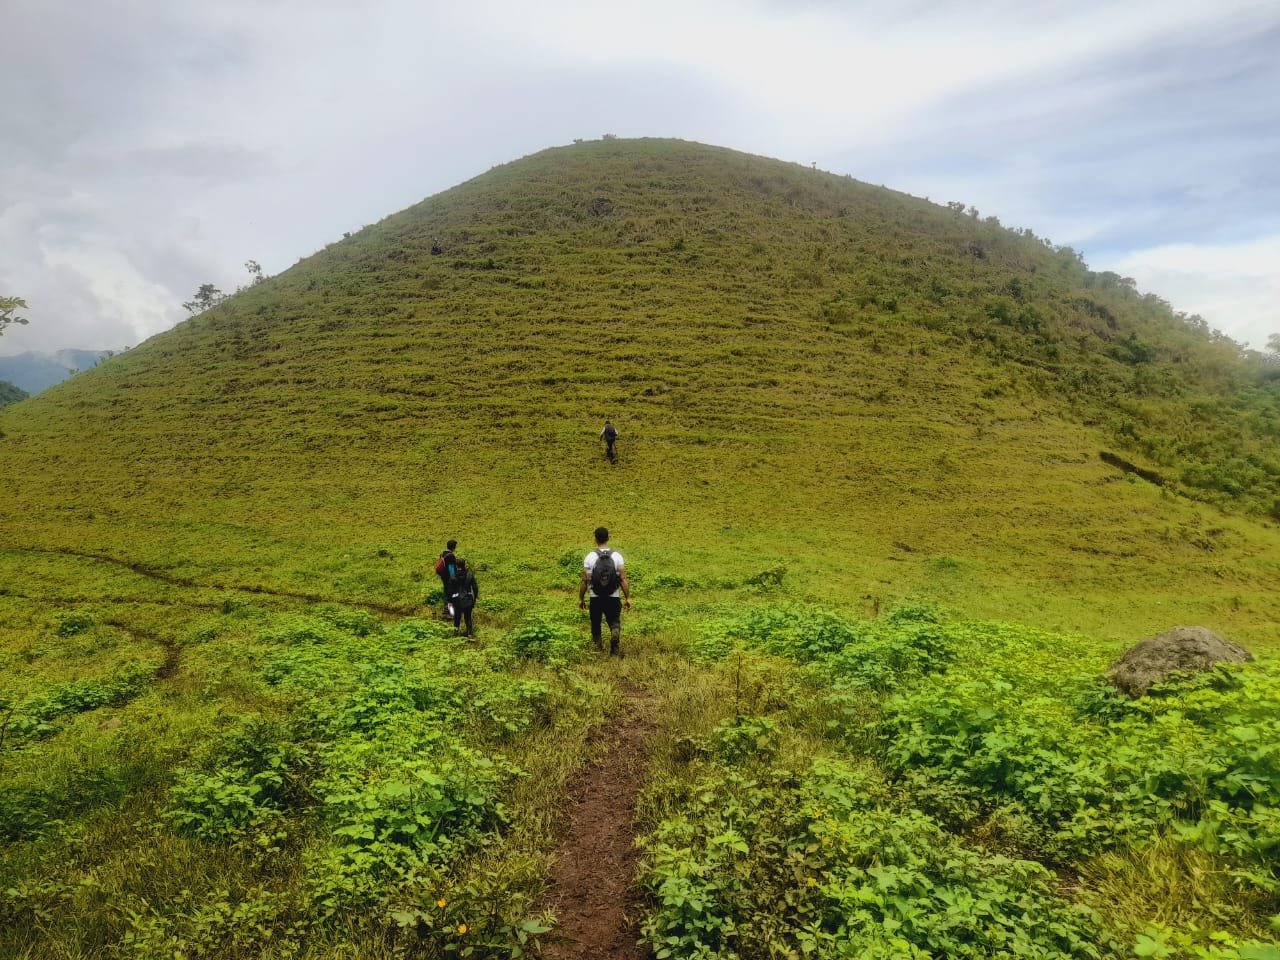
[(1181, 650)]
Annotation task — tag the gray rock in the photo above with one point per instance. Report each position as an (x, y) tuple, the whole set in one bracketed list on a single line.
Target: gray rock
[(1181, 650)]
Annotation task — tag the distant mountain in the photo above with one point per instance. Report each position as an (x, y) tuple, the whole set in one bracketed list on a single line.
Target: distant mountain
[(10, 394), (36, 372)]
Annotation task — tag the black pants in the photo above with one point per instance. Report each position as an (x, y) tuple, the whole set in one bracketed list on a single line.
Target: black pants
[(458, 614), (610, 609)]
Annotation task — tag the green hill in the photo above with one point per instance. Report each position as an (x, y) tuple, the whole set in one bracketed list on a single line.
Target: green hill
[(895, 484), (10, 394), (884, 395)]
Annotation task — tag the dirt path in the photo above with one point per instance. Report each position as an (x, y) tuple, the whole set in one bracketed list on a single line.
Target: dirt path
[(592, 890)]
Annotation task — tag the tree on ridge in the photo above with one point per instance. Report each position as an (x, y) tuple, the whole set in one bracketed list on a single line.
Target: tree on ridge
[(9, 306)]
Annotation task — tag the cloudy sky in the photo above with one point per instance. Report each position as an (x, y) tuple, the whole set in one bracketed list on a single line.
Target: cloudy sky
[(148, 146)]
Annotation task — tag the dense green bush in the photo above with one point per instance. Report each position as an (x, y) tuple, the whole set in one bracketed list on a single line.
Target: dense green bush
[(1092, 770), (766, 861), (546, 642)]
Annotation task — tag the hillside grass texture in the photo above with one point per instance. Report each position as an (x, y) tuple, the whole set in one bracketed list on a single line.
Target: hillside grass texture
[(804, 368), (829, 394)]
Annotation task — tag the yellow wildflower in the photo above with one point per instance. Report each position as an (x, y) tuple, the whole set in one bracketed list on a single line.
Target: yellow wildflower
[(462, 929)]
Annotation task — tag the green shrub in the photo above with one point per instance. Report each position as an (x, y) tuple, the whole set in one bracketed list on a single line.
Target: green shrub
[(546, 642), (359, 623), (744, 739), (813, 865), (72, 623), (26, 813), (1200, 756), (245, 782), (34, 716), (792, 630)]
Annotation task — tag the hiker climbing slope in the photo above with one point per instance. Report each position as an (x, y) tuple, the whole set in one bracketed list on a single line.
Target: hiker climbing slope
[(462, 594), (445, 569), (609, 434), (604, 574)]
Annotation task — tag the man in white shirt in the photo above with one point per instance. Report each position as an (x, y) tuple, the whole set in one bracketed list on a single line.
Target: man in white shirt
[(604, 575)]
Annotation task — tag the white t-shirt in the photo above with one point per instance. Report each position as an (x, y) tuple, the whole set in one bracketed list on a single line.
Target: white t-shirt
[(589, 563)]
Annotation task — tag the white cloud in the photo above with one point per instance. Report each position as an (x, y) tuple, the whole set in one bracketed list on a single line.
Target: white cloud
[(1235, 287)]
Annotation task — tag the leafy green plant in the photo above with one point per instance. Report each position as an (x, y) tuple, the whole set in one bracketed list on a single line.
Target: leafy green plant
[(26, 813), (34, 715), (72, 623), (811, 864), (547, 642), (244, 784)]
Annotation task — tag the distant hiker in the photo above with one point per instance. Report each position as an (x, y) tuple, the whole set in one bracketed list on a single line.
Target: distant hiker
[(609, 434), (604, 575), (445, 569), (462, 594)]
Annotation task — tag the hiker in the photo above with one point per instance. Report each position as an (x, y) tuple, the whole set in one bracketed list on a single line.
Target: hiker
[(609, 434), (445, 571), (605, 576), (462, 594)]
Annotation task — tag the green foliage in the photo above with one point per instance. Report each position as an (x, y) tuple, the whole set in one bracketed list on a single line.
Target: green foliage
[(372, 774), (26, 813), (844, 654), (1164, 943), (745, 739), (360, 623), (1004, 732), (251, 775), (1071, 770), (34, 716), (9, 307), (72, 623), (10, 393), (783, 863), (476, 919), (790, 629), (389, 830), (207, 296), (546, 642)]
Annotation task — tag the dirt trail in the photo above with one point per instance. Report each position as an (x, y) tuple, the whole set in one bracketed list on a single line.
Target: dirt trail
[(592, 890)]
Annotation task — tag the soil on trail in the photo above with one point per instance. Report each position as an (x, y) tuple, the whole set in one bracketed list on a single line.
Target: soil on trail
[(592, 889)]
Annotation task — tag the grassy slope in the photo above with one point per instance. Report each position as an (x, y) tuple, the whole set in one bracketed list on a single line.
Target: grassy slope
[(810, 374), (806, 371)]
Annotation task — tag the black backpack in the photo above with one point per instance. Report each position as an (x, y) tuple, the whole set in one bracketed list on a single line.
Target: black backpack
[(610, 434), (460, 592), (604, 575)]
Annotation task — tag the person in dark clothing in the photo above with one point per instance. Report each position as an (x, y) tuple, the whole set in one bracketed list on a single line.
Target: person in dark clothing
[(462, 594), (609, 434), (445, 571)]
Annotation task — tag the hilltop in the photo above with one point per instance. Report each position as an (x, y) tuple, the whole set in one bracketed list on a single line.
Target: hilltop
[(879, 395)]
